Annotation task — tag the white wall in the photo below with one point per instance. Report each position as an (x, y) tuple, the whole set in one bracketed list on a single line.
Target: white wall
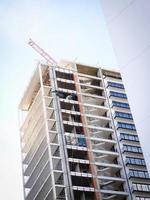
[(129, 27)]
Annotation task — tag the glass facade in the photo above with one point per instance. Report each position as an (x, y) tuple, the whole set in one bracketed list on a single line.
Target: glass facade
[(133, 149), (135, 161), (118, 95), (126, 126), (141, 187), (123, 115), (138, 174), (120, 104), (124, 136), (129, 141), (116, 85)]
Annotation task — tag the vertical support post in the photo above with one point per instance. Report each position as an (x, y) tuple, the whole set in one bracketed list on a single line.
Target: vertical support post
[(65, 165), (47, 132)]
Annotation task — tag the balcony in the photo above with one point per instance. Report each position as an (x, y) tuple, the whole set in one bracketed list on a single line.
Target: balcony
[(132, 149), (117, 95), (137, 187), (128, 137), (123, 115), (122, 125), (138, 174), (135, 161), (120, 105), (115, 85)]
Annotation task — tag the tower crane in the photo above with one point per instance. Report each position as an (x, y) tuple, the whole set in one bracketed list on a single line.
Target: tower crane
[(43, 53)]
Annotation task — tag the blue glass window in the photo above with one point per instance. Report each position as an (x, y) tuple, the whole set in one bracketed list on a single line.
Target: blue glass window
[(141, 187), (116, 85), (126, 126), (135, 161), (133, 149), (124, 136), (120, 104), (138, 174), (118, 94), (123, 115)]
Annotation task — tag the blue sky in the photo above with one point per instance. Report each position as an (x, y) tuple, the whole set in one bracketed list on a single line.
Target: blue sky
[(65, 29)]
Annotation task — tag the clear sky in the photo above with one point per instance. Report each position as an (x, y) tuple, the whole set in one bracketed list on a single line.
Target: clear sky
[(65, 29)]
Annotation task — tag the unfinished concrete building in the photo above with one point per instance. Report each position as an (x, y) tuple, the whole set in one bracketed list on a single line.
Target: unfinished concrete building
[(78, 138)]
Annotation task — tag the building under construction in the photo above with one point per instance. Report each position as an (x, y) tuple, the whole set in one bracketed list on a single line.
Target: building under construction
[(78, 138)]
